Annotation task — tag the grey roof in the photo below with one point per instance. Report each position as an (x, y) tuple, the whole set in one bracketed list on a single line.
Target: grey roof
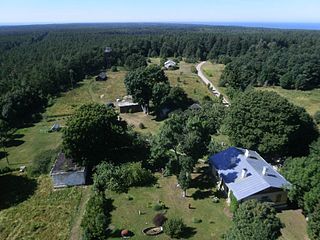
[(195, 106), (64, 164), (230, 163)]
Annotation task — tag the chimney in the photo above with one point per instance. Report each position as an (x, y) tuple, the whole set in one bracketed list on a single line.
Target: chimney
[(244, 173), (264, 171), (246, 153)]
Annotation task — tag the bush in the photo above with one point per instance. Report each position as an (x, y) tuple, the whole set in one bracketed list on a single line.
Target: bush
[(314, 224), (120, 178), (95, 219), (5, 170), (317, 117), (194, 70), (142, 126), (196, 220), (159, 219), (157, 207), (114, 69), (174, 227), (234, 205), (42, 163)]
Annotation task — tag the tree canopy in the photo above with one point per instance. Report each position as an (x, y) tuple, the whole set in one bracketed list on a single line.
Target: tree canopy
[(254, 221), (268, 123), (93, 134)]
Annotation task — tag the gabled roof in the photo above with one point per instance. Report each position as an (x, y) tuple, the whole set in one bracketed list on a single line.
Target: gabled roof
[(230, 164), (64, 164)]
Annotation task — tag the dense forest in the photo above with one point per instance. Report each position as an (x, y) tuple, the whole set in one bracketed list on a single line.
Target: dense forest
[(38, 62)]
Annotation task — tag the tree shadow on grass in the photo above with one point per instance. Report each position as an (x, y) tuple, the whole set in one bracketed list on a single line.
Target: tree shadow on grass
[(188, 232), (204, 181), (14, 143), (197, 195), (3, 155), (15, 189)]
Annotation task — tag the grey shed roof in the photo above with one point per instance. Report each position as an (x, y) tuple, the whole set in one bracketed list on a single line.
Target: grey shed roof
[(64, 164), (230, 164)]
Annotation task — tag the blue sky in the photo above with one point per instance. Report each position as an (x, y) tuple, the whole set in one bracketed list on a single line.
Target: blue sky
[(60, 11)]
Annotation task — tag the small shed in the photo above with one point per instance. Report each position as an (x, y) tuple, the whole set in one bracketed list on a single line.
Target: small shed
[(66, 172), (55, 127), (195, 106), (170, 64), (101, 77), (126, 105)]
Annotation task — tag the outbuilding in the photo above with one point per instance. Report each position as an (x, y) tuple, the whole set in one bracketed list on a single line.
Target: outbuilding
[(66, 172), (170, 64), (246, 175), (101, 77)]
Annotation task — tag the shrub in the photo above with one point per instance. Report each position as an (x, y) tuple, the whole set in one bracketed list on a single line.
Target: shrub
[(142, 126), (157, 207), (194, 70), (159, 219), (42, 163), (114, 69), (313, 224), (5, 170), (317, 117), (95, 219), (174, 227), (233, 203), (196, 220)]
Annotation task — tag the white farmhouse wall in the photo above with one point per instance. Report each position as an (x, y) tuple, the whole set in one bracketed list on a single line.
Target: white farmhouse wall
[(66, 179)]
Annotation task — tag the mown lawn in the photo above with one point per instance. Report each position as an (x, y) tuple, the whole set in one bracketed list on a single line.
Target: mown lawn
[(213, 215), (31, 209), (295, 225)]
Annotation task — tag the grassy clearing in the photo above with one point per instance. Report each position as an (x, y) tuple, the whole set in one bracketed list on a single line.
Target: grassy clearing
[(295, 225), (189, 81), (213, 216), (41, 213), (33, 140), (149, 122), (213, 73), (310, 100)]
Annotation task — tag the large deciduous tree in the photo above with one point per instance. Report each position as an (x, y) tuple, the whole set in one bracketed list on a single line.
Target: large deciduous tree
[(267, 122), (254, 221), (144, 85), (93, 134)]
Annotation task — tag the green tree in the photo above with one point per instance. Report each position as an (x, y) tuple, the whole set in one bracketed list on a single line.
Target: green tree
[(96, 218), (265, 121), (135, 61), (184, 181), (314, 223), (254, 221), (174, 227), (141, 82), (317, 117), (5, 134), (93, 134)]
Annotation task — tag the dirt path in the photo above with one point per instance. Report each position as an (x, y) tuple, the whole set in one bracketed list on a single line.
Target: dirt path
[(207, 82), (76, 229)]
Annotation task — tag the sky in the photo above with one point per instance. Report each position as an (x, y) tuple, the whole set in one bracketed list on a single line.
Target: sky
[(74, 11)]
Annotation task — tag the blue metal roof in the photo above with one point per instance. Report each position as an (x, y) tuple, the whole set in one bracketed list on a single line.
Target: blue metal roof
[(230, 163)]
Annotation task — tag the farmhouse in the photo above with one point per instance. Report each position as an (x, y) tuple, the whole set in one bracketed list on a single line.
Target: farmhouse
[(101, 77), (66, 173), (170, 64), (246, 175)]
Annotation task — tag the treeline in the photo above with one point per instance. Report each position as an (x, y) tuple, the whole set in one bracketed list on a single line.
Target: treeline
[(45, 60)]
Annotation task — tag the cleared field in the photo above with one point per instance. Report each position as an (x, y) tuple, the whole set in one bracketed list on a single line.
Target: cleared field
[(30, 141), (31, 209), (213, 73), (310, 100), (295, 225), (213, 216)]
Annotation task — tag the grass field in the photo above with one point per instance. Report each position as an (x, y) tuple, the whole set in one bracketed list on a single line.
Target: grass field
[(189, 81), (31, 209), (295, 225), (213, 73), (310, 100), (213, 215)]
